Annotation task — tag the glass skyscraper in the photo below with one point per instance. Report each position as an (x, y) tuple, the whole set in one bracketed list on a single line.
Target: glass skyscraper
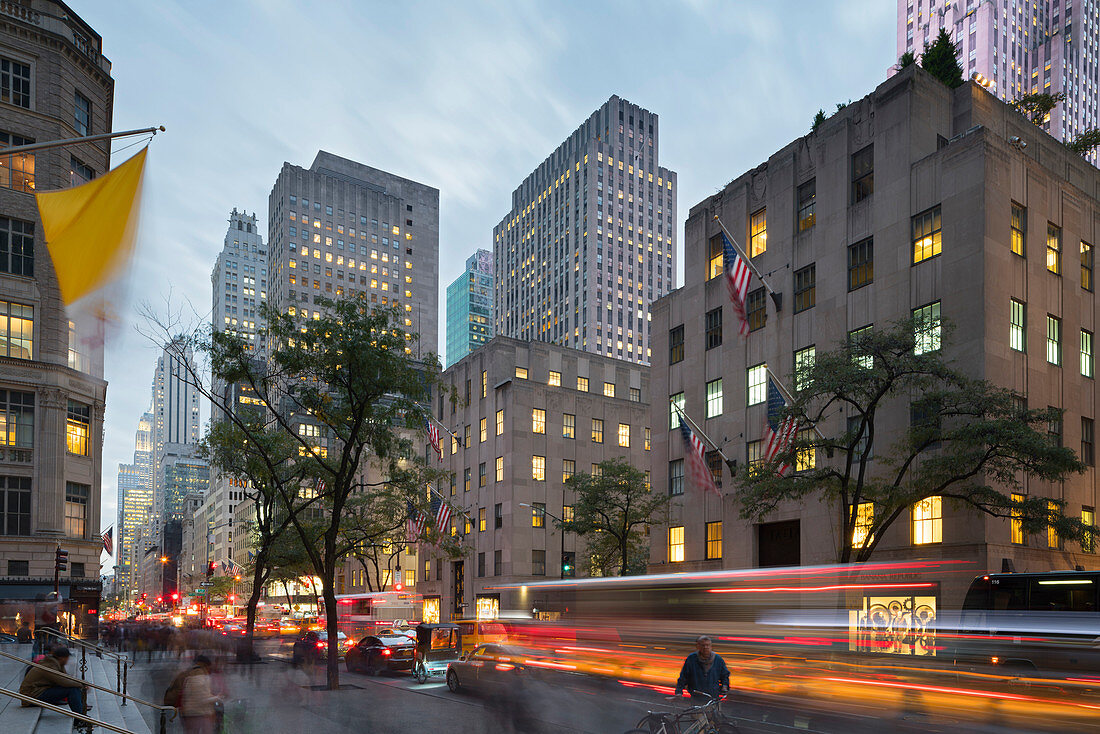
[(470, 307)]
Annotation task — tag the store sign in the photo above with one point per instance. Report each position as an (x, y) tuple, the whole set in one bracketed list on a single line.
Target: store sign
[(487, 607), (431, 610), (897, 624)]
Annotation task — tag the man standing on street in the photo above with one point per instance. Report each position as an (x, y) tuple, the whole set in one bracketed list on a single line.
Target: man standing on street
[(703, 672), (197, 699), (53, 685)]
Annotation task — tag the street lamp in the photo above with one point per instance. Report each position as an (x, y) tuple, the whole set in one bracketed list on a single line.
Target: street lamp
[(561, 531)]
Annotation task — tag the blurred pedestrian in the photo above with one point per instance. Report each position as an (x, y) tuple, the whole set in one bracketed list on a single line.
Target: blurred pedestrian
[(51, 685), (23, 634), (191, 693), (704, 672)]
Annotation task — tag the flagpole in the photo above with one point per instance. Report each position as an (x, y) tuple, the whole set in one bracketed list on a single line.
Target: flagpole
[(777, 298), (790, 398), (683, 415), (78, 141)]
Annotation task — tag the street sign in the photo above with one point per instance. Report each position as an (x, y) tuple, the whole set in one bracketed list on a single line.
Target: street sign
[(205, 584), (200, 591)]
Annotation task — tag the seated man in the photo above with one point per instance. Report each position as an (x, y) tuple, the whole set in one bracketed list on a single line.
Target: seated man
[(52, 685)]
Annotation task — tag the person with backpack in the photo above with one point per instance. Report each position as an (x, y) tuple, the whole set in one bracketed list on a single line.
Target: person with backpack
[(191, 693)]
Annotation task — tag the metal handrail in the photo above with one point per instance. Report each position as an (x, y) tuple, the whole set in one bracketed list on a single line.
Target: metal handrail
[(100, 650), (163, 709), (64, 712)]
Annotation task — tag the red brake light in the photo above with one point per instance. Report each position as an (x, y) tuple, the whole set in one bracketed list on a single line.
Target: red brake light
[(387, 653), (320, 645)]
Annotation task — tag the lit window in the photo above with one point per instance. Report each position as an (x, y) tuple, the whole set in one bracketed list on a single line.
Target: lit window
[(538, 468), (676, 544), (521, 373), (1019, 229), (1017, 326), (865, 520), (554, 379), (76, 509), (714, 398), (568, 425), (16, 420), (568, 468), (754, 455), (757, 384), (500, 423), (1053, 539), (17, 171), (928, 521), (609, 389), (624, 435), (484, 430), (1086, 265), (647, 438), (714, 260), (1088, 518), (1016, 522), (926, 326), (481, 520), (597, 430), (582, 384), (1086, 353), (484, 383), (861, 264), (78, 428), (714, 540), (803, 364), (500, 469), (758, 233), (1054, 248), (806, 456), (675, 407), (538, 420), (1054, 340), (538, 514), (927, 241)]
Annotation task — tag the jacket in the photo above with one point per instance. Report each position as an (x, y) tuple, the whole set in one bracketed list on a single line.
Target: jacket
[(37, 680), (198, 698), (695, 678)]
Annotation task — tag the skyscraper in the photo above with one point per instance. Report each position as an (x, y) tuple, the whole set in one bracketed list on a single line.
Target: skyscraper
[(1018, 48), (470, 307), (175, 412), (590, 240), (135, 501)]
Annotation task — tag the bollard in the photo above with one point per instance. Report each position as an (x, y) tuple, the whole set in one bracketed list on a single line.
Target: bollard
[(125, 670), (118, 675)]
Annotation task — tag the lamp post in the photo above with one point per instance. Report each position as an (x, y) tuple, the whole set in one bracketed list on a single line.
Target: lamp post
[(561, 531)]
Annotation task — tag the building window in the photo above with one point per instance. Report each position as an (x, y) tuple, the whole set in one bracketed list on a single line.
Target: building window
[(1086, 265), (500, 423), (1087, 454), (757, 384), (484, 383), (567, 513), (861, 264), (1086, 353), (1016, 522), (568, 469), (863, 174), (1019, 229), (597, 430), (635, 395), (714, 463), (714, 257), (714, 398), (676, 544), (805, 288), (926, 235), (865, 520), (18, 568), (15, 506), (538, 562), (926, 328), (675, 407), (453, 483), (1054, 340), (676, 476), (80, 172), (714, 540), (483, 430), (582, 384), (806, 456), (466, 437), (15, 83), (609, 389), (713, 328), (17, 419), (758, 233), (76, 509), (928, 521), (82, 113), (78, 427), (498, 516), (756, 310), (16, 171), (624, 435), (675, 345), (1054, 428), (754, 455), (521, 373), (1088, 517), (16, 247), (500, 469), (1053, 539), (554, 380), (1054, 248), (647, 438), (538, 468), (482, 477), (803, 364), (538, 514), (466, 480), (538, 420), (807, 198), (1017, 325), (498, 563)]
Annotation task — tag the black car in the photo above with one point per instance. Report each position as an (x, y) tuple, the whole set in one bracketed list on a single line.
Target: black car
[(373, 654), (485, 668), (312, 647)]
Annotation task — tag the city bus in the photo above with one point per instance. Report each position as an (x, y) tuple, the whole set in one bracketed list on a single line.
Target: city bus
[(364, 614)]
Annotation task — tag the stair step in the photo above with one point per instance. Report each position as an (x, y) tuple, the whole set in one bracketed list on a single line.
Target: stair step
[(18, 719)]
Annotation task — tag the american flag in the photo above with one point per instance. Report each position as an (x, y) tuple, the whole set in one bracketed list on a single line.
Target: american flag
[(108, 540), (414, 525), (442, 514), (738, 276), (778, 434), (697, 470), (433, 437)]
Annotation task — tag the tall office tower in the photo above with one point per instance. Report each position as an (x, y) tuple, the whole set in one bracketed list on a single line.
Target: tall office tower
[(470, 307), (590, 240), (175, 413), (135, 501), (239, 279), (56, 84), (343, 228), (1018, 48)]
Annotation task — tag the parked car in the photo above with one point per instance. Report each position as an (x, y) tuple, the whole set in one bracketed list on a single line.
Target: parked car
[(376, 653), (485, 668), (313, 646)]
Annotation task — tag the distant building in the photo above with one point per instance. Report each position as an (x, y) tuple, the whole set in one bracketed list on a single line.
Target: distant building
[(175, 411), (590, 240), (470, 307), (135, 501)]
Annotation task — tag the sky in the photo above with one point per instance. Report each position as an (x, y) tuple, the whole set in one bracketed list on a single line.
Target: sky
[(468, 97)]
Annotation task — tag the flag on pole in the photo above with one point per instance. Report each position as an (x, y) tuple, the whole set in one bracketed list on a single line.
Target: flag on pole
[(697, 470), (738, 276), (442, 515), (251, 556), (90, 229), (414, 523), (778, 434), (433, 437), (108, 541)]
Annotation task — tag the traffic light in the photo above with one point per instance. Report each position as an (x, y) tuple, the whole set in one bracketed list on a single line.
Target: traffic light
[(398, 586), (175, 596), (568, 564), (160, 600), (210, 569), (61, 561)]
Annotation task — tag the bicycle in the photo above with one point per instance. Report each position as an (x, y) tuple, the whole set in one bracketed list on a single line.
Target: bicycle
[(705, 719)]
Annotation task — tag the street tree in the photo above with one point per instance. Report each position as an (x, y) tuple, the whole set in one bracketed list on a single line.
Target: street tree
[(941, 60), (967, 442), (612, 510)]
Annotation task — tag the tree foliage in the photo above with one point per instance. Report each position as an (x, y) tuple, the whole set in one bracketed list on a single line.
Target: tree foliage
[(967, 441), (819, 118), (1037, 106), (1085, 142), (906, 59), (611, 512), (941, 60)]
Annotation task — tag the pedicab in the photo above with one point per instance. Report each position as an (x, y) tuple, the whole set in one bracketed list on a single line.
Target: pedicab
[(437, 645)]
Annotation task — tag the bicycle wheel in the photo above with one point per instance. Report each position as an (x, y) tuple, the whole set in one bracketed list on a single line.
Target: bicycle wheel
[(653, 724)]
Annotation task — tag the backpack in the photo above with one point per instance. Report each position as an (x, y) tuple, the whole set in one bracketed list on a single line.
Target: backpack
[(174, 695)]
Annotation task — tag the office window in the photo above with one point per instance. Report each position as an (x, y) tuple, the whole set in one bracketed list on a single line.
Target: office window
[(482, 477), (714, 398), (635, 395), (1087, 455), (597, 430), (453, 483), (1054, 248), (538, 514), (481, 520), (582, 384), (568, 469), (647, 438), (467, 528), (78, 427), (484, 383), (498, 516), (714, 540), (1054, 340), (757, 384), (865, 520), (676, 544), (597, 470), (568, 425), (855, 339), (16, 419), (1086, 265), (928, 521), (567, 513), (863, 174), (805, 288), (807, 198), (15, 506), (624, 435), (466, 437), (76, 509), (81, 173), (1019, 229), (483, 430), (861, 264), (609, 389), (803, 364), (538, 562), (676, 476), (1017, 325), (521, 373), (16, 247), (1053, 539), (1016, 523), (1088, 517), (1086, 353), (498, 563), (500, 423), (675, 345), (554, 380), (675, 407), (15, 83), (538, 420), (538, 468), (927, 241), (806, 457), (16, 171), (714, 464), (454, 445), (500, 469), (1054, 428), (756, 309), (466, 480), (82, 113), (758, 233), (926, 328), (754, 455), (713, 328), (714, 257)]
